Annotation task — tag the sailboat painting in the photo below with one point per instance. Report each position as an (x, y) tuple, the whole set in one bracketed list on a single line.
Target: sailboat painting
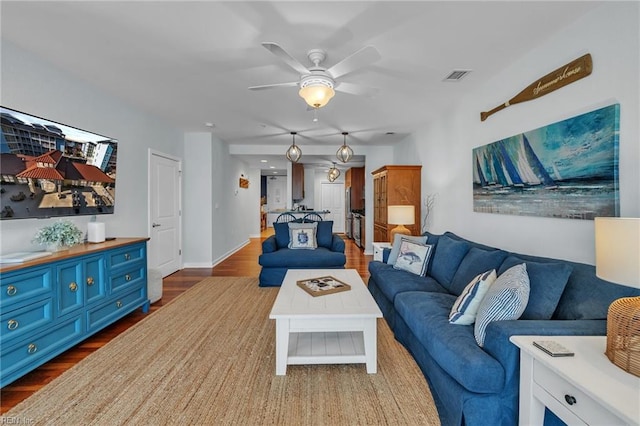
[(567, 169)]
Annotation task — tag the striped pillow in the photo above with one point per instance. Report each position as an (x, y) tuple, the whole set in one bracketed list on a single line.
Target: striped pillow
[(506, 300), (466, 307)]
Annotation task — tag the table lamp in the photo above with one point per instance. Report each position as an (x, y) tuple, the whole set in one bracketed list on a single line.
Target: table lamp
[(618, 261), (400, 215)]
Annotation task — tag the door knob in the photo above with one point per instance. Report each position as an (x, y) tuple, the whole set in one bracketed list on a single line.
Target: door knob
[(155, 225)]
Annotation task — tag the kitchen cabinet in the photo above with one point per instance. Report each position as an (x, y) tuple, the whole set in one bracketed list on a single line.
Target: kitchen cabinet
[(354, 179), (297, 182), (395, 185)]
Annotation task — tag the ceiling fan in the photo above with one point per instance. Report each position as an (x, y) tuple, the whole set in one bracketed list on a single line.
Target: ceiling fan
[(318, 84)]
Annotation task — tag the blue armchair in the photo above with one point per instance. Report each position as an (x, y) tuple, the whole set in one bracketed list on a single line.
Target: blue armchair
[(276, 258)]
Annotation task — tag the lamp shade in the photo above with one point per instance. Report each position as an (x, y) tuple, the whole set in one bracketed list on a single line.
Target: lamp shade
[(345, 152), (401, 215), (316, 92), (294, 153), (333, 174), (618, 250)]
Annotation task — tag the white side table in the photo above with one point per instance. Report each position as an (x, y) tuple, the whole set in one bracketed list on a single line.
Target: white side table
[(377, 250), (583, 389)]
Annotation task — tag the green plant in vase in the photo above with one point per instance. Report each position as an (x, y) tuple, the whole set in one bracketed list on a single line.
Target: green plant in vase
[(59, 236)]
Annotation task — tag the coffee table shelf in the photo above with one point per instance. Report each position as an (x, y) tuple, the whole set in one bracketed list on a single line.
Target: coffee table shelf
[(326, 348)]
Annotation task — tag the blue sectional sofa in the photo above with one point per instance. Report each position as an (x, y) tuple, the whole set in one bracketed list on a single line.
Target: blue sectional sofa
[(475, 385), (276, 258)]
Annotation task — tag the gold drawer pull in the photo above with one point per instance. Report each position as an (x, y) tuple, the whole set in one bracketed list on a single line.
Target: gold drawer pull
[(90, 281), (118, 304), (32, 348), (127, 277), (127, 256), (12, 290), (73, 286), (12, 324)]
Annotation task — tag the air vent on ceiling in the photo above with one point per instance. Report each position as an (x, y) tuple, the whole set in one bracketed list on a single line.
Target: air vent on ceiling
[(457, 75)]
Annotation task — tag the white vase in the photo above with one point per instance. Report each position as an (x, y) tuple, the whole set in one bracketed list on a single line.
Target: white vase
[(55, 247)]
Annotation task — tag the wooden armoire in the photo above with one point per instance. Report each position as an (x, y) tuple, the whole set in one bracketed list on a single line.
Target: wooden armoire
[(395, 185)]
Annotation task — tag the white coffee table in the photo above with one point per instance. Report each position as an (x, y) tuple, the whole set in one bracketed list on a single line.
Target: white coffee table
[(337, 328)]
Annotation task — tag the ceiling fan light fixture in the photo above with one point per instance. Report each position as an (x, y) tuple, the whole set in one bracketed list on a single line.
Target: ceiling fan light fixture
[(294, 153), (345, 152), (316, 90), (334, 173)]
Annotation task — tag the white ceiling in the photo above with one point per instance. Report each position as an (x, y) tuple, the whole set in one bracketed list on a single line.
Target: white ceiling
[(190, 63)]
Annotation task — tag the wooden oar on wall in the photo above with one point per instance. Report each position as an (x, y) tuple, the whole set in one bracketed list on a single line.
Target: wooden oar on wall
[(567, 74)]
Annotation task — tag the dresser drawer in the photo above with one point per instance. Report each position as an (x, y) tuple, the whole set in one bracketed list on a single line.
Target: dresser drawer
[(17, 323), (128, 278), (114, 309), (574, 400), (39, 348), (127, 255), (16, 288)]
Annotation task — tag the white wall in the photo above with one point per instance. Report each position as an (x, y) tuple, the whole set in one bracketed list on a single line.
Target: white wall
[(197, 218), (34, 86), (611, 35), (219, 215)]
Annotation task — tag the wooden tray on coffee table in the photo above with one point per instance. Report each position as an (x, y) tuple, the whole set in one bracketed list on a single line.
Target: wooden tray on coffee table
[(321, 286)]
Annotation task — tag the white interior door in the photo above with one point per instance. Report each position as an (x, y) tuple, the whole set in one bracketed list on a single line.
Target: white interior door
[(276, 192), (165, 199), (332, 199)]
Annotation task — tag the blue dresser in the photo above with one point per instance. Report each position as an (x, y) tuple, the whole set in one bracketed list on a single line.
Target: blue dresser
[(51, 304)]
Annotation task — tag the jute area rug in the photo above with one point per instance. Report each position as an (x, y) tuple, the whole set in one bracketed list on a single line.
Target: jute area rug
[(208, 358)]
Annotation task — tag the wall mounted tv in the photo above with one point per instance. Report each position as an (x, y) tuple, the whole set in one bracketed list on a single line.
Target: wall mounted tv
[(48, 169)]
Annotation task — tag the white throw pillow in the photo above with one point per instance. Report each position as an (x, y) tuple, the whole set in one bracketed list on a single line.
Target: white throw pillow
[(413, 257), (465, 308), (506, 299), (303, 235), (395, 248)]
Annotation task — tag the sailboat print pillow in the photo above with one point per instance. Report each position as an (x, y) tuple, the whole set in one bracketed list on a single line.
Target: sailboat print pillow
[(303, 235), (413, 257)]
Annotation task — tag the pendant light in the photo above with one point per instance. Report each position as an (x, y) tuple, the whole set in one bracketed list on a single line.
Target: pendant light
[(334, 173), (294, 152), (345, 152)]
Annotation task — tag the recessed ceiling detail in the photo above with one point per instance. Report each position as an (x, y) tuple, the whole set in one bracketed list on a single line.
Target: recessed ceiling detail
[(457, 75)]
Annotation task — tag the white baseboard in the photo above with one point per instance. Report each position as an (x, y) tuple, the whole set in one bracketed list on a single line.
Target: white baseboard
[(230, 252), (197, 265), (216, 261)]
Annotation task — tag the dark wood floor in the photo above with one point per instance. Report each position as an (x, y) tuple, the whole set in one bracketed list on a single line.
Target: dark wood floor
[(244, 263)]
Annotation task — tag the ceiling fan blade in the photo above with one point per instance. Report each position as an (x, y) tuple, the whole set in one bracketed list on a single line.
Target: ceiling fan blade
[(363, 57), (356, 89), (273, 86), (277, 50)]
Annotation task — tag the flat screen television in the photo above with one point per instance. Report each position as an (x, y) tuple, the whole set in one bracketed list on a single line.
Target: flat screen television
[(49, 169)]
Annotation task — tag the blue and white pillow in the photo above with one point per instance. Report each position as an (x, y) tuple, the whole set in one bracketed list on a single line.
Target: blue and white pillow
[(397, 240), (413, 257), (303, 235), (465, 308), (506, 299)]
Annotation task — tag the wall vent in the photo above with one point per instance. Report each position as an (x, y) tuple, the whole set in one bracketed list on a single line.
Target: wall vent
[(456, 75)]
